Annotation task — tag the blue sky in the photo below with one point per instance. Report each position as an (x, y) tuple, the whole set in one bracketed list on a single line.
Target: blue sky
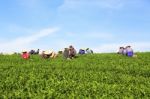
[(102, 25)]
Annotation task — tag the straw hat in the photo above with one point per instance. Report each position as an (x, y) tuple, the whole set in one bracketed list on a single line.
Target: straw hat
[(24, 51), (48, 52)]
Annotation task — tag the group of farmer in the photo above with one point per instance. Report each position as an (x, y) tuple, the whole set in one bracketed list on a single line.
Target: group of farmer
[(68, 53), (127, 51), (45, 54)]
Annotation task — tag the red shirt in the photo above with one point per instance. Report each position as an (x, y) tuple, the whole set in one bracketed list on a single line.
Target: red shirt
[(25, 56)]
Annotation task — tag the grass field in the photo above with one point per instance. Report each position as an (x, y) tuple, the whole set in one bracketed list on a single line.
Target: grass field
[(88, 76)]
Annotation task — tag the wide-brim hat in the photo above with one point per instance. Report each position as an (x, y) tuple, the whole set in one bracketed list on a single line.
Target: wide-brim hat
[(24, 51), (48, 52)]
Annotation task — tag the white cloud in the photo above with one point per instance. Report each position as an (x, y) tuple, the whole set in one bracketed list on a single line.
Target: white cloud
[(24, 42), (113, 47)]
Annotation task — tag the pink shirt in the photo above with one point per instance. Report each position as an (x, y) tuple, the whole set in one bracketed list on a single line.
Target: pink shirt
[(25, 56)]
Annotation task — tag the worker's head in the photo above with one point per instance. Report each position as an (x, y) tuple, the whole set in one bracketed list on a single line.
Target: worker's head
[(24, 51)]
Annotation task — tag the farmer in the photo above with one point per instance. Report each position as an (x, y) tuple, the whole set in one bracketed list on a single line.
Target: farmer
[(48, 54), (81, 51), (66, 53), (72, 52), (53, 54), (25, 55), (120, 50), (44, 55), (129, 51), (89, 51), (32, 52), (37, 52), (124, 52)]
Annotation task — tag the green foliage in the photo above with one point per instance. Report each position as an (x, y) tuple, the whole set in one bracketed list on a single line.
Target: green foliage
[(87, 76)]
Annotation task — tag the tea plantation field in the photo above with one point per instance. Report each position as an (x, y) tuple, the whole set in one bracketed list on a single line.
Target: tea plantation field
[(88, 76)]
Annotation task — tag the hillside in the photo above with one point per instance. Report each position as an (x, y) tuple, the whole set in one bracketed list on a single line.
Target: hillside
[(87, 76)]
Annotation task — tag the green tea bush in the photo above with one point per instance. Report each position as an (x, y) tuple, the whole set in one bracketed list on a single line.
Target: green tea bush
[(87, 76)]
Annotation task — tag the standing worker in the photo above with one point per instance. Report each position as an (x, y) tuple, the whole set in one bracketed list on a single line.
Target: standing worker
[(72, 52)]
